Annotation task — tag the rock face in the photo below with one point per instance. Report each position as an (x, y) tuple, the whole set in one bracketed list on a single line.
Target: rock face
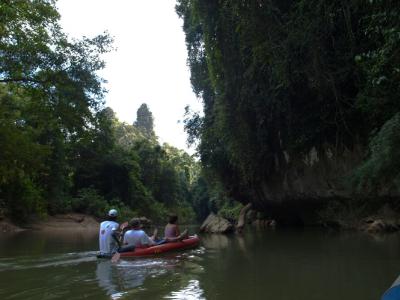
[(216, 224), (298, 186)]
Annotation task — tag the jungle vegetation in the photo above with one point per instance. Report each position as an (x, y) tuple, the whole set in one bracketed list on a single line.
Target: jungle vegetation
[(61, 149), (284, 76), (275, 77)]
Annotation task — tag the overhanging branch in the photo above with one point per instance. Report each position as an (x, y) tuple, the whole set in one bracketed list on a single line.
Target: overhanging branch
[(21, 79)]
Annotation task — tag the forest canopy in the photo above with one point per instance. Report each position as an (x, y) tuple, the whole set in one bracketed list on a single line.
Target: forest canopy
[(61, 149)]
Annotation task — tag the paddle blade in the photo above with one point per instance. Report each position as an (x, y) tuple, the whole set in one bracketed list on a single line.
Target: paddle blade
[(115, 257), (123, 225)]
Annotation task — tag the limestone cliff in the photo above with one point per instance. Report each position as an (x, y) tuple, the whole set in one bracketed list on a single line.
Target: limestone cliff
[(300, 185)]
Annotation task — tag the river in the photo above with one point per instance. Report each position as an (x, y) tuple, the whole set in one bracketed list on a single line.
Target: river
[(282, 264)]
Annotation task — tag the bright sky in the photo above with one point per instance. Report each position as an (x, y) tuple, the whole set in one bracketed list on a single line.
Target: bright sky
[(149, 65)]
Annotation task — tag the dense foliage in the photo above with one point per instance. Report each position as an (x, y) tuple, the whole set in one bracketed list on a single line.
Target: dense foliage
[(60, 150), (49, 89), (281, 77)]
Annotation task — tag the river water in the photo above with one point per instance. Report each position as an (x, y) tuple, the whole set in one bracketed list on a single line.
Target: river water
[(282, 264)]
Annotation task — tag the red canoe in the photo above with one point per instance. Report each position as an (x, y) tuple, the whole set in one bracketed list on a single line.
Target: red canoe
[(191, 242)]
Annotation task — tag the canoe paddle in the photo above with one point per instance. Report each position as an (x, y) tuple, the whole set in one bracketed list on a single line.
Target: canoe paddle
[(115, 258), (123, 226)]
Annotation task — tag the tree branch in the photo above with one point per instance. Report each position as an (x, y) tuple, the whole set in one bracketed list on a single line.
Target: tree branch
[(21, 79)]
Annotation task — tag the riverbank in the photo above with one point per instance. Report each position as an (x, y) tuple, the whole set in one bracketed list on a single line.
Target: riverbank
[(370, 217), (385, 221), (65, 222), (7, 226), (373, 224), (337, 216)]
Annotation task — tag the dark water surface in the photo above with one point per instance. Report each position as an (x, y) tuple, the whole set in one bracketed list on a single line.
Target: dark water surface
[(262, 264)]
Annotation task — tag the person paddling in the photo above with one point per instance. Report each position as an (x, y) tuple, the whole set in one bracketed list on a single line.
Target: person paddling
[(108, 234), (171, 232), (109, 243)]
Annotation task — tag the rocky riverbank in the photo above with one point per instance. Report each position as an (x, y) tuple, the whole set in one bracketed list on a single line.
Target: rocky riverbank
[(384, 220), (373, 224)]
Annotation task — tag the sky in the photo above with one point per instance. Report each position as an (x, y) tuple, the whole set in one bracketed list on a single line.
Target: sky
[(149, 65)]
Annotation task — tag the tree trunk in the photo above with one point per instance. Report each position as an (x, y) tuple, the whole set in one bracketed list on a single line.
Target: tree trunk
[(242, 218)]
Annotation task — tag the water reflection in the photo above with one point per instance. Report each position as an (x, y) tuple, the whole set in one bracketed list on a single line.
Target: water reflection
[(105, 278), (190, 292), (130, 277), (215, 241), (117, 280)]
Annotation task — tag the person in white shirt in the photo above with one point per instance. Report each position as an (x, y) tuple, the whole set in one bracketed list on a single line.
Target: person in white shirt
[(137, 237), (108, 235)]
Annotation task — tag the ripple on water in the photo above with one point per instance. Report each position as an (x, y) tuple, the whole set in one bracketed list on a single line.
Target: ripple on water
[(57, 276), (32, 262), (189, 292)]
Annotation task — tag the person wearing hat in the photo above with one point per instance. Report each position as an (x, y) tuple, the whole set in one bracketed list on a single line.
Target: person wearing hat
[(136, 236), (108, 234)]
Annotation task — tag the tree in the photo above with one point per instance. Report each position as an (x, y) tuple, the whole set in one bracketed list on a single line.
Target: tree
[(51, 96), (144, 121), (22, 158)]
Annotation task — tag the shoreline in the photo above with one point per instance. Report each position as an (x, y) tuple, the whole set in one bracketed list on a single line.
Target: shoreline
[(76, 222), (62, 222)]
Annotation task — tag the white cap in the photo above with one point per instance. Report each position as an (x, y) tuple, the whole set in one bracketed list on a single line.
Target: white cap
[(113, 213)]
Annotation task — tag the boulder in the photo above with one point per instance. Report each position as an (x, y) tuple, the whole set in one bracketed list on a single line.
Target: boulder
[(264, 223), (216, 224), (379, 225)]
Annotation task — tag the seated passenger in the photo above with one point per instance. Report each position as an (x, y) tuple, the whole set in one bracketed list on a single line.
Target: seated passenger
[(171, 232), (136, 237)]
